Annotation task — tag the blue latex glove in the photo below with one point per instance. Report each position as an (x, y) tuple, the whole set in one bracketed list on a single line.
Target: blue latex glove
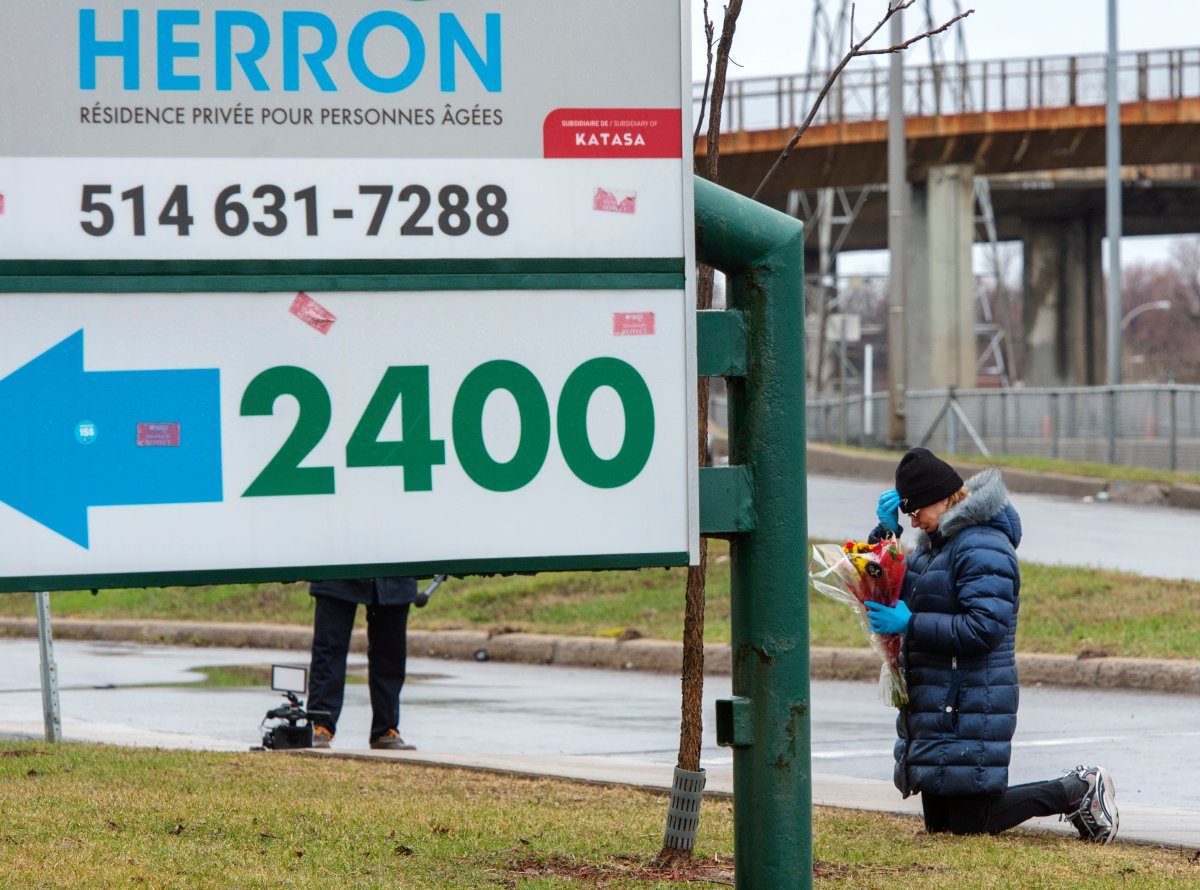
[(889, 503), (888, 619)]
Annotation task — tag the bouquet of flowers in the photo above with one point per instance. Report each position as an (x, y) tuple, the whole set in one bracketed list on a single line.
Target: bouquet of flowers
[(855, 573)]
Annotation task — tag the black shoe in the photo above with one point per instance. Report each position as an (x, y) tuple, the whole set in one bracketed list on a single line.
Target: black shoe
[(391, 741)]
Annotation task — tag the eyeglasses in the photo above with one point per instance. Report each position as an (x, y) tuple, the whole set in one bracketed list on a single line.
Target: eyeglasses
[(907, 512)]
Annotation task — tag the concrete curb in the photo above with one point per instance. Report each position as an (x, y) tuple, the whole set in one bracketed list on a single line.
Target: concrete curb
[(658, 656)]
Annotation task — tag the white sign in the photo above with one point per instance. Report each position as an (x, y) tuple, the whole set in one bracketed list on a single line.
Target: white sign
[(841, 326), (223, 208), (169, 433), (160, 142), (259, 129)]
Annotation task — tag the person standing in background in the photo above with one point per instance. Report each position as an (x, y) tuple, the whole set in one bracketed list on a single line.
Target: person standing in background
[(336, 603)]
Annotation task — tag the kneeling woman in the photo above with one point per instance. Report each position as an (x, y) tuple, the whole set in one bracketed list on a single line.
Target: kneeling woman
[(958, 614)]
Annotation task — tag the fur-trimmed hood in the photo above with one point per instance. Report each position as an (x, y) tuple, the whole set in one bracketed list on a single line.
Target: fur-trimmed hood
[(987, 504)]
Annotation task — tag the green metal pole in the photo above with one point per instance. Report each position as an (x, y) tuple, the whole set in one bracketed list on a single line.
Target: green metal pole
[(767, 721)]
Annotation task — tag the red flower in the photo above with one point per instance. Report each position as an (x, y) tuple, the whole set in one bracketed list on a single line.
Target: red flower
[(857, 573)]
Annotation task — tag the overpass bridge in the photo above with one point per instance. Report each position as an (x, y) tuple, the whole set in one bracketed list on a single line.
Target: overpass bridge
[(1032, 132)]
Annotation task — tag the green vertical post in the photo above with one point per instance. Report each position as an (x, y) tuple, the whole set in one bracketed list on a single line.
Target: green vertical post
[(767, 720)]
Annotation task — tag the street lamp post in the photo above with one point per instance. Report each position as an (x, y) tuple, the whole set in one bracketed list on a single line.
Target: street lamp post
[(1112, 130), (1144, 307), (1138, 310)]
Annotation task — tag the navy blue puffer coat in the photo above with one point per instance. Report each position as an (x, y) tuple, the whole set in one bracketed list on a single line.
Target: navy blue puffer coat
[(963, 587)]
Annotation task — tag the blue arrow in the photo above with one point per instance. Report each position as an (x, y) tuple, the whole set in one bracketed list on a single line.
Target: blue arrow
[(71, 438)]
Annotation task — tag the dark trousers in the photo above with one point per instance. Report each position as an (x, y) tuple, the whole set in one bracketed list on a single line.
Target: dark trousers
[(993, 813), (387, 655)]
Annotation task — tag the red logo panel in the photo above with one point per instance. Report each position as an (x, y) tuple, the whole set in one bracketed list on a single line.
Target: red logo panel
[(613, 133)]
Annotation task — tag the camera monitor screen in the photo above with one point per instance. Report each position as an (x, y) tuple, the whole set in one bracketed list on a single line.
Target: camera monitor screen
[(285, 678)]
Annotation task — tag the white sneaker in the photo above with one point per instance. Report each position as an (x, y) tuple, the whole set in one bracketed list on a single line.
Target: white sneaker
[(1096, 818)]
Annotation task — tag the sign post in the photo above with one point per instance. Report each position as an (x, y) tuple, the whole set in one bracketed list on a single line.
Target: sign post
[(760, 502)]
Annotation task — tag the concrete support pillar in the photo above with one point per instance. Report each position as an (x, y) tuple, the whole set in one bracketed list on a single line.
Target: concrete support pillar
[(1064, 306), (940, 289)]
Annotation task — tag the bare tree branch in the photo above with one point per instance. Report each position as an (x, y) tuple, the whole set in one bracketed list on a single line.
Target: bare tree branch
[(856, 50), (708, 69), (903, 45), (712, 152)]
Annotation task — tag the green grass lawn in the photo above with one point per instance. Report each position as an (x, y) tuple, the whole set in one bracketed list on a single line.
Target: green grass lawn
[(87, 816), (1067, 611)]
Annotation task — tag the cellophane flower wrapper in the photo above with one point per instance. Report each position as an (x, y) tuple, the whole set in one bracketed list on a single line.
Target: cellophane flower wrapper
[(855, 573)]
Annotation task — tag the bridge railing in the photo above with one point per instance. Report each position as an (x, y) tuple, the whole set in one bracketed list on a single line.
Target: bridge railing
[(861, 94)]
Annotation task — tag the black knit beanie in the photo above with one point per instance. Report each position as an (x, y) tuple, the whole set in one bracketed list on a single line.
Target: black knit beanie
[(923, 478)]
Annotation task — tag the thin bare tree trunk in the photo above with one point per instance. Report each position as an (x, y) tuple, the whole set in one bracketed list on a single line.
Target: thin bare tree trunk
[(691, 727), (692, 722)]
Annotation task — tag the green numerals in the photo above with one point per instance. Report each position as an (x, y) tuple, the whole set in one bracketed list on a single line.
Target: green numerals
[(284, 475), (520, 469), (572, 423), (417, 452)]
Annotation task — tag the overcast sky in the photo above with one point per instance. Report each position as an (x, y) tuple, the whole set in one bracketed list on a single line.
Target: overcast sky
[(772, 37)]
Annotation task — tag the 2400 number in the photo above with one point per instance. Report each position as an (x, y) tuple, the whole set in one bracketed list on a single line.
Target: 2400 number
[(418, 452)]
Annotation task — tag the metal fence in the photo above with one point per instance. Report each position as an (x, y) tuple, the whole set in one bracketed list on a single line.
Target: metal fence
[(1155, 426), (861, 94)]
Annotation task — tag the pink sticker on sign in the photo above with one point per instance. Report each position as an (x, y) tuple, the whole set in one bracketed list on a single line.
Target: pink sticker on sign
[(633, 324), (1, 203), (614, 201), (158, 435), (312, 313)]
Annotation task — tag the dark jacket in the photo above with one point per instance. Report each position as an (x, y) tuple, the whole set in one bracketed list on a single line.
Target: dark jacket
[(369, 591), (963, 587)]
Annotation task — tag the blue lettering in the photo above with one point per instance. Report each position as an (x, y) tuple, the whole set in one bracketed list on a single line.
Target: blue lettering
[(248, 59), (245, 47), (452, 34), (126, 48), (170, 49), (355, 51), (316, 59)]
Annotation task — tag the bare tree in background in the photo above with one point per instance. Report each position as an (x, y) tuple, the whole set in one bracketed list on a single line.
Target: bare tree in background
[(857, 50), (691, 724)]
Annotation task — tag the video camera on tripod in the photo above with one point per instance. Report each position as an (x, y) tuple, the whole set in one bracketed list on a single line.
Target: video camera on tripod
[(294, 726)]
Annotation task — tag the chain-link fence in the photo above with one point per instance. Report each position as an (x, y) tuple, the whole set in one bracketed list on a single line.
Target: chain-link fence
[(1155, 426)]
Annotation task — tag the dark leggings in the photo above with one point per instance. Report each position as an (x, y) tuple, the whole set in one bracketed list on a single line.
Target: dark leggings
[(993, 813)]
